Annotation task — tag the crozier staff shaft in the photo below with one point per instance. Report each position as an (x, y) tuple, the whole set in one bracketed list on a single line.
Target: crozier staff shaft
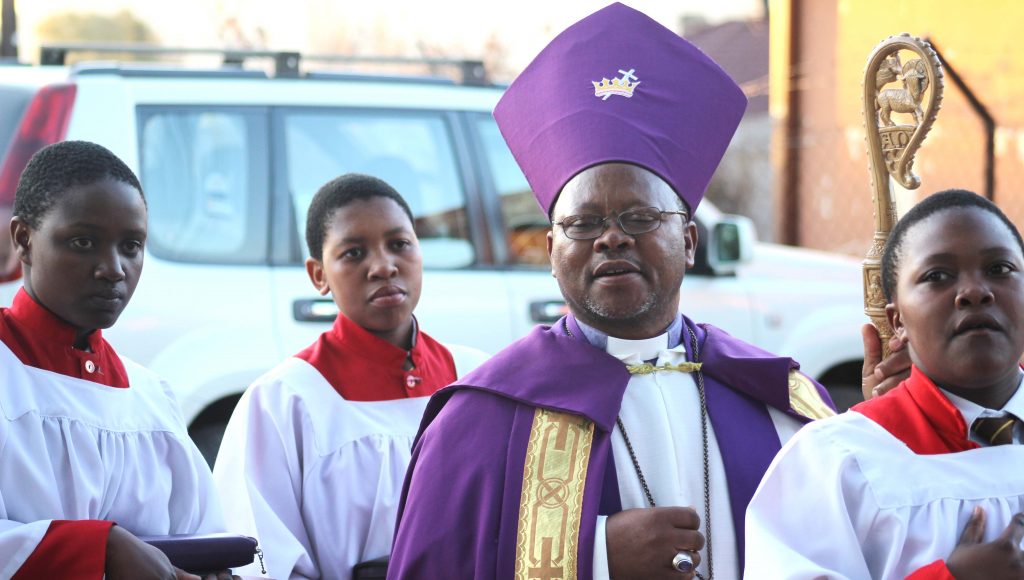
[(903, 76)]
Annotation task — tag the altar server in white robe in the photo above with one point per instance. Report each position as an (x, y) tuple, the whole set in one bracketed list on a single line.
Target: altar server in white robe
[(315, 453), (93, 448), (926, 481)]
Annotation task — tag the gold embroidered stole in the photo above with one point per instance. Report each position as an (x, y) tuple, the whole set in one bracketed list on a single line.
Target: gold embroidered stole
[(647, 368), (551, 505), (804, 397)]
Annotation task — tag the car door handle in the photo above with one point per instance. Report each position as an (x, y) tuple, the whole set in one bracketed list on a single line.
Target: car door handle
[(547, 311), (315, 310)]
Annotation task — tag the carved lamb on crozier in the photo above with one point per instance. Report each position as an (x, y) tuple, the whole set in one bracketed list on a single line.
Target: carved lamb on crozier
[(907, 99)]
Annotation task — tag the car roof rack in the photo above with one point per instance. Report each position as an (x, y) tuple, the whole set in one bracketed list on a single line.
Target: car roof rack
[(286, 63)]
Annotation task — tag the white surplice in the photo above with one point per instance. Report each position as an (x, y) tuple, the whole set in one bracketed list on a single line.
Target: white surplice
[(661, 413), (846, 499), (71, 449), (314, 477)]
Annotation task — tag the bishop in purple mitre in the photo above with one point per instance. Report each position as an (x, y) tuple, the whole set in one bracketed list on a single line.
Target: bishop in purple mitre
[(624, 440)]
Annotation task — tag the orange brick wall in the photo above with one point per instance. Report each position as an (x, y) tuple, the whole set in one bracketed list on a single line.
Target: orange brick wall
[(979, 39)]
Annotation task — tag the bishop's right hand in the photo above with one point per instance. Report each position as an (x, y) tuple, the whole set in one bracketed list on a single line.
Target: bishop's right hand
[(642, 542)]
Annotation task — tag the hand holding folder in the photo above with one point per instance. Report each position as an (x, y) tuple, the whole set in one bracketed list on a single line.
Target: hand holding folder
[(207, 553)]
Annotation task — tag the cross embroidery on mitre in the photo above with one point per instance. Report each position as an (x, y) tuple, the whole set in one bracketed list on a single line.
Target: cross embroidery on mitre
[(622, 86)]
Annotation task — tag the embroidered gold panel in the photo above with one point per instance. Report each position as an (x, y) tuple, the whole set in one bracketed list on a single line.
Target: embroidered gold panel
[(649, 369), (804, 397), (551, 506)]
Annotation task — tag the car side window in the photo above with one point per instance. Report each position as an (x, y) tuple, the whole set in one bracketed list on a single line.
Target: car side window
[(412, 151), (203, 174), (526, 226)]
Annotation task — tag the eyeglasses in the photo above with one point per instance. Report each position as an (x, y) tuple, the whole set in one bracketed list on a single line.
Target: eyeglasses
[(632, 222)]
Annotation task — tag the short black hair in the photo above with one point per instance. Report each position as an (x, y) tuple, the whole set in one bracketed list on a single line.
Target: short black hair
[(338, 193), (941, 201), (56, 168)]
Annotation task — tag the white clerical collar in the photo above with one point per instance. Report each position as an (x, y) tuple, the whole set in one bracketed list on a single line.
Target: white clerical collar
[(971, 410), (644, 349), (637, 350)]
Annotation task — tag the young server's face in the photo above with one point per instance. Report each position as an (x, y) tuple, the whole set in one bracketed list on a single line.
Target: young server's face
[(626, 285), (960, 298), (84, 261), (372, 267)]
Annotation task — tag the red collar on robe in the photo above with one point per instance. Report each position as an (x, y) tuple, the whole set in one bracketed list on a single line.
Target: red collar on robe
[(364, 367), (918, 414), (40, 339)]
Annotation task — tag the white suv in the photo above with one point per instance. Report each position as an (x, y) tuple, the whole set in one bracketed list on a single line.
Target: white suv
[(229, 160)]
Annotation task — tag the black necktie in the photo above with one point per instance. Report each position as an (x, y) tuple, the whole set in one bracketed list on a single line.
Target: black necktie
[(995, 430)]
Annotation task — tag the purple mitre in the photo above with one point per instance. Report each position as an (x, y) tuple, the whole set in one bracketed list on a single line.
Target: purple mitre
[(618, 86)]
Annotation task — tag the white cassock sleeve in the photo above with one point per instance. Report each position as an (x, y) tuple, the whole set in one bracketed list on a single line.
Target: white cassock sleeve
[(75, 450), (259, 475), (17, 541), (800, 522)]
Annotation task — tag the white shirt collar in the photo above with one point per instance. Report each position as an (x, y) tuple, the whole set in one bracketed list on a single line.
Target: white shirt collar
[(971, 410), (642, 350), (633, 351)]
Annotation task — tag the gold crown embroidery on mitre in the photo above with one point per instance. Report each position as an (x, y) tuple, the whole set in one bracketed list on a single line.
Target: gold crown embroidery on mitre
[(623, 86)]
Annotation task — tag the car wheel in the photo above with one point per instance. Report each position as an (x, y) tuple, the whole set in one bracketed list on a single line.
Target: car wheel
[(845, 396), (207, 438)]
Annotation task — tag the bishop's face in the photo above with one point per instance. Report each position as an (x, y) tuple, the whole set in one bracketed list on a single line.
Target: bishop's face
[(624, 285)]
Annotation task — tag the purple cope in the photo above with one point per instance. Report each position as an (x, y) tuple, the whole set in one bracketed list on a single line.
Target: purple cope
[(459, 510)]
